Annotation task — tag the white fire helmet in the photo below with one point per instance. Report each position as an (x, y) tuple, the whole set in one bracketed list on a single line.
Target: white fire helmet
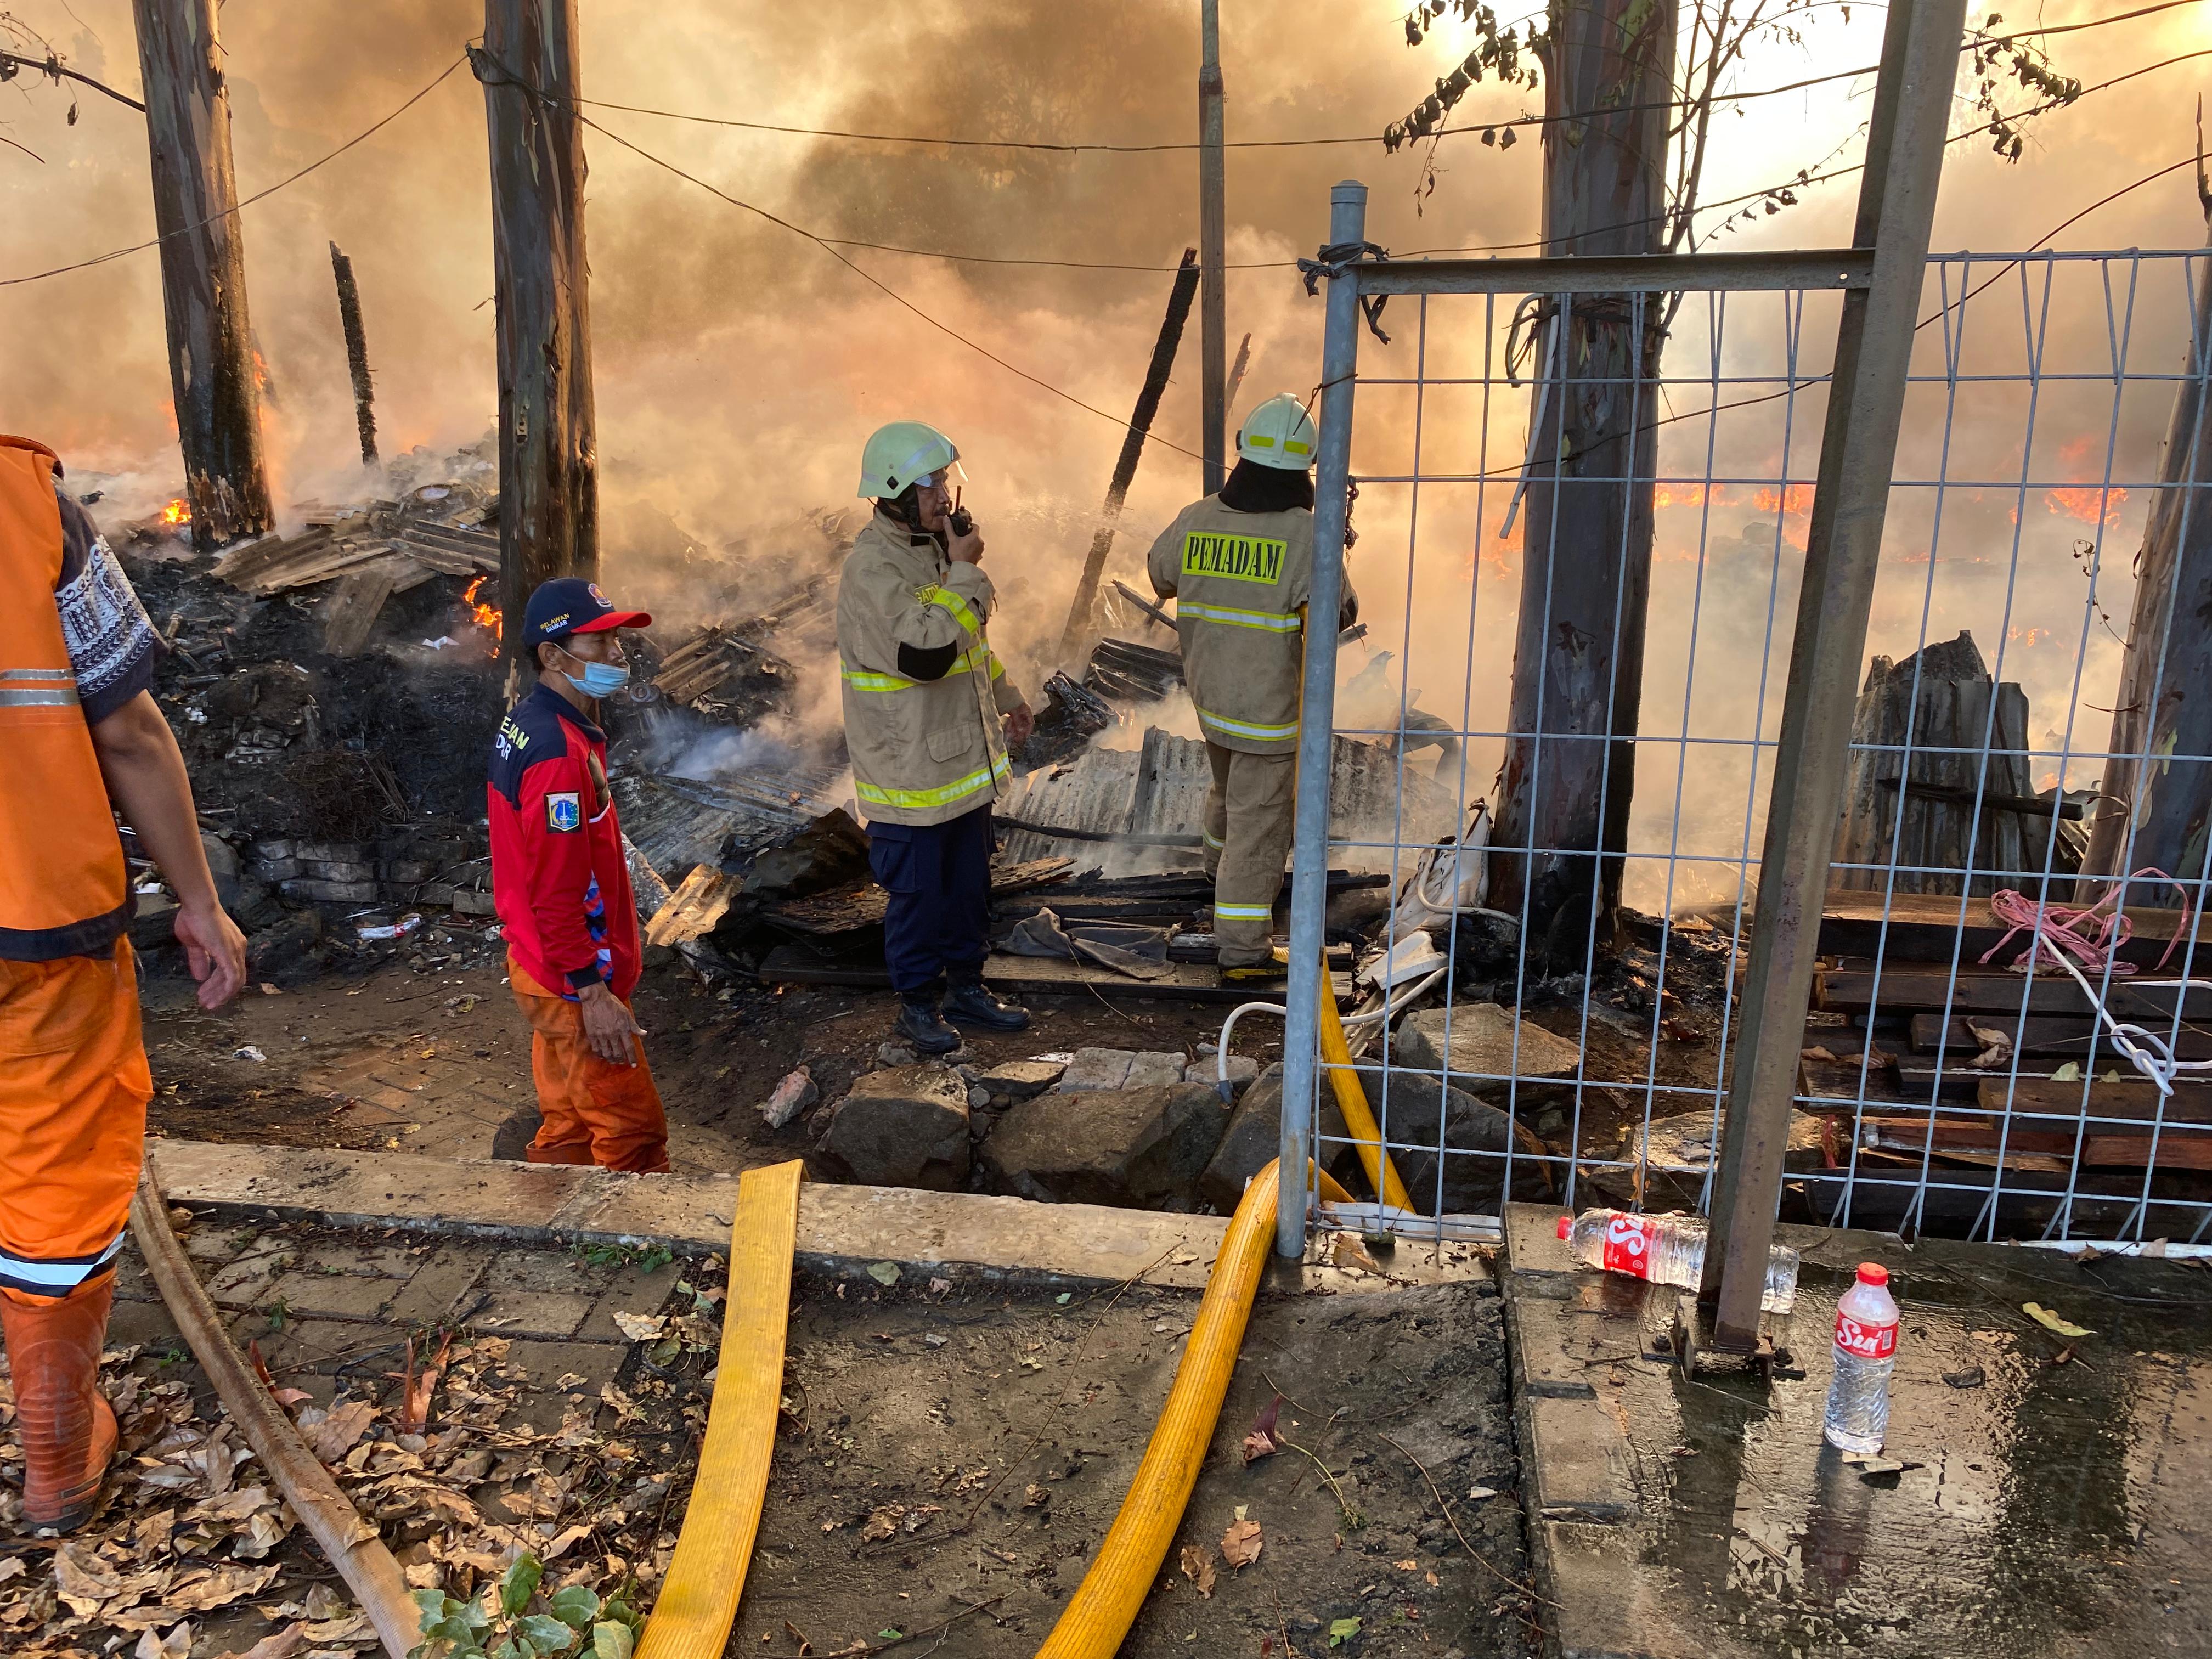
[(1279, 434)]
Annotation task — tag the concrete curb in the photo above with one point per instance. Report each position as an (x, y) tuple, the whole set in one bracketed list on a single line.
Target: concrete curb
[(841, 1230)]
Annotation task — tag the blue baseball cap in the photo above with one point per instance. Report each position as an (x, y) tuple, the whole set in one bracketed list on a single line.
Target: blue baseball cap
[(570, 604)]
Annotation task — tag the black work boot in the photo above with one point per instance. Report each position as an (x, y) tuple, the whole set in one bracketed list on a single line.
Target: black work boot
[(920, 1023), (974, 1003)]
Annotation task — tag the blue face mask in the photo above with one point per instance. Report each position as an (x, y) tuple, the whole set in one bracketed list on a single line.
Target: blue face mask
[(600, 679)]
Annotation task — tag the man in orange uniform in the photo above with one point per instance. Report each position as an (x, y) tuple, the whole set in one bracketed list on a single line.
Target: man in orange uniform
[(561, 884), (82, 741)]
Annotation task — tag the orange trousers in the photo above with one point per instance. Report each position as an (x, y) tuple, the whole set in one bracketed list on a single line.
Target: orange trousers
[(74, 1086), (594, 1111)]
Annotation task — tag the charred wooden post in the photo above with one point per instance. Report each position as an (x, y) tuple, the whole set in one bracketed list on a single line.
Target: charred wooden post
[(213, 374), (356, 344), (1078, 632), (1961, 797), (549, 494), (1213, 230), (1586, 560), (2157, 808)]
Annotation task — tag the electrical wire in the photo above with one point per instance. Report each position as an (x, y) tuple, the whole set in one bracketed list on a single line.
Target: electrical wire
[(863, 273), (258, 195), (1087, 147)]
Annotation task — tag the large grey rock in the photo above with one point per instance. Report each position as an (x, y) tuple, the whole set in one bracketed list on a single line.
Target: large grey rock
[(1473, 1184), (1254, 1139), (1482, 1050), (904, 1127), (1137, 1148), (1120, 1069), (1667, 1167)]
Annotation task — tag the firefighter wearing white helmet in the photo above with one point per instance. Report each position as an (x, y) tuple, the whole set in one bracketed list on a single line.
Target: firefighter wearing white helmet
[(925, 696), (1239, 565)]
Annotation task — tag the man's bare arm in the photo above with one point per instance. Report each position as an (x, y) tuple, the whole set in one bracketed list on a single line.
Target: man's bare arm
[(147, 783)]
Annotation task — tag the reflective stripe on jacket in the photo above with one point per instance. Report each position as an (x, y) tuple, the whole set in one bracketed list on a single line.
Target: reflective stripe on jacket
[(923, 752), (62, 886), (1238, 580)]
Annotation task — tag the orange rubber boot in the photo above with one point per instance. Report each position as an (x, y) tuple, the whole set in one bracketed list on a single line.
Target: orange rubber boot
[(68, 1427)]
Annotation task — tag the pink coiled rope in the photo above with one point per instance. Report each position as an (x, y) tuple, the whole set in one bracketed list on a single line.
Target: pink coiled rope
[(2092, 936)]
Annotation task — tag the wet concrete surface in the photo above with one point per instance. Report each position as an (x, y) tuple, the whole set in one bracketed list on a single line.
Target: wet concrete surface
[(2055, 1504)]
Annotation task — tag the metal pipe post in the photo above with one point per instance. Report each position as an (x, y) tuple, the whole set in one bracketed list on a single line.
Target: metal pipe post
[(1866, 402), (1213, 301), (1340, 364)]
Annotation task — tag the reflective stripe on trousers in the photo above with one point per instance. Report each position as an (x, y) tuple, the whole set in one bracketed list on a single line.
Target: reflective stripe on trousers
[(1248, 729)]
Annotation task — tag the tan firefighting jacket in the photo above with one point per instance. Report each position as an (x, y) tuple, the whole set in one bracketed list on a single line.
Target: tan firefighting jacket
[(1238, 580), (924, 751)]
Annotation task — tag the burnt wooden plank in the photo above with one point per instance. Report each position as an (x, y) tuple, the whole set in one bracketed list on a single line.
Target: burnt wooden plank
[(354, 611), (1185, 982), (2131, 1097), (2053, 1036), (1930, 927), (1851, 989)]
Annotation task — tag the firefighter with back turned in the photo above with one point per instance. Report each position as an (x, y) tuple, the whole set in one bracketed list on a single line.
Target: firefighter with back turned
[(1239, 565), (923, 699), (84, 740)]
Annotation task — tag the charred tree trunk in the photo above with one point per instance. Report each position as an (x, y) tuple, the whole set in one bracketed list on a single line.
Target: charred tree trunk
[(549, 492), (2158, 787), (1586, 560), (213, 375), (356, 343)]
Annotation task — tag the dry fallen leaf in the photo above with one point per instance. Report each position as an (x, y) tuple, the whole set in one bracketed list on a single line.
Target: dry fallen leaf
[(1242, 1544), (642, 1327), (1198, 1567), (286, 1643), (1349, 1252), (2051, 1321), (1034, 1497), (1263, 1441), (336, 1431), (1821, 1055), (883, 1520)]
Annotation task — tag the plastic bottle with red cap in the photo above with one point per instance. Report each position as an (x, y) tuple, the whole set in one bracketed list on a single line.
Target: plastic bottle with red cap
[(1865, 1355), (1665, 1249)]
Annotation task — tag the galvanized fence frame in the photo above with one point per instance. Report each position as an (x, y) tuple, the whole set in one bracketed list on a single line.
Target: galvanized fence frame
[(1881, 274)]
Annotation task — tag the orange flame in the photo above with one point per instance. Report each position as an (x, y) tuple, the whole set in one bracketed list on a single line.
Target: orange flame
[(179, 511), (2086, 502), (1791, 498), (485, 617)]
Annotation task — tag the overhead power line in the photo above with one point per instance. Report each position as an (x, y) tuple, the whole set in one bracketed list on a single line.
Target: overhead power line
[(258, 196), (1094, 147)]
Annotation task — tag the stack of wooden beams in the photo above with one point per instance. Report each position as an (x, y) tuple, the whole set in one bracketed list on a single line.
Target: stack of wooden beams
[(368, 565)]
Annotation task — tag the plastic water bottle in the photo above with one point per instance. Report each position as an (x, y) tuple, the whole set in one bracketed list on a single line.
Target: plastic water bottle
[(1866, 1353), (1666, 1249)]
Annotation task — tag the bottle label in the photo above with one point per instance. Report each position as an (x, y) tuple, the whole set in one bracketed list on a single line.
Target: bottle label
[(1867, 1341), (1628, 1246)]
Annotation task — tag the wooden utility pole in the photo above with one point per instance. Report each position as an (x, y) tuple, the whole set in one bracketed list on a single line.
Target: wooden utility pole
[(2163, 714), (549, 492), (1213, 299), (1076, 637), (1586, 547), (212, 376), (356, 344)]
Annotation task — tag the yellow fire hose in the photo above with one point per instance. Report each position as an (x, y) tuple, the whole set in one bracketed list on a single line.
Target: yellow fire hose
[(692, 1618), (1105, 1604), (1352, 1101)]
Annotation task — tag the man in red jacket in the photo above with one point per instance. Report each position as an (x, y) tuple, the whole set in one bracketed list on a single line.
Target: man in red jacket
[(562, 887)]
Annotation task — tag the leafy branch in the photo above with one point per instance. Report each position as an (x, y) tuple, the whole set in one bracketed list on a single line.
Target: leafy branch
[(1498, 53), (573, 1624)]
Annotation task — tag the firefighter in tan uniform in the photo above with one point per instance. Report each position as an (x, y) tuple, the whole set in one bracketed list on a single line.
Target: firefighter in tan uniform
[(1237, 566), (924, 699)]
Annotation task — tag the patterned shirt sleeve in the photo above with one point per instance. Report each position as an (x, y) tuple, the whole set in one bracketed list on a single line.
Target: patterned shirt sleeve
[(111, 642)]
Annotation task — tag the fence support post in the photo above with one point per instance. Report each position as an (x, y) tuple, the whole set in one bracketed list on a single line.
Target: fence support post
[(1340, 363), (1866, 402)]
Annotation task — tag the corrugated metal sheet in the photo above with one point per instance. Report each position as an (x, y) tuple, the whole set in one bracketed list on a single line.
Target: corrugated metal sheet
[(1159, 789), (679, 822)]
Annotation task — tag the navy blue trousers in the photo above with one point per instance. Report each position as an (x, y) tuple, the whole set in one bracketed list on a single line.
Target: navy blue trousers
[(938, 918)]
